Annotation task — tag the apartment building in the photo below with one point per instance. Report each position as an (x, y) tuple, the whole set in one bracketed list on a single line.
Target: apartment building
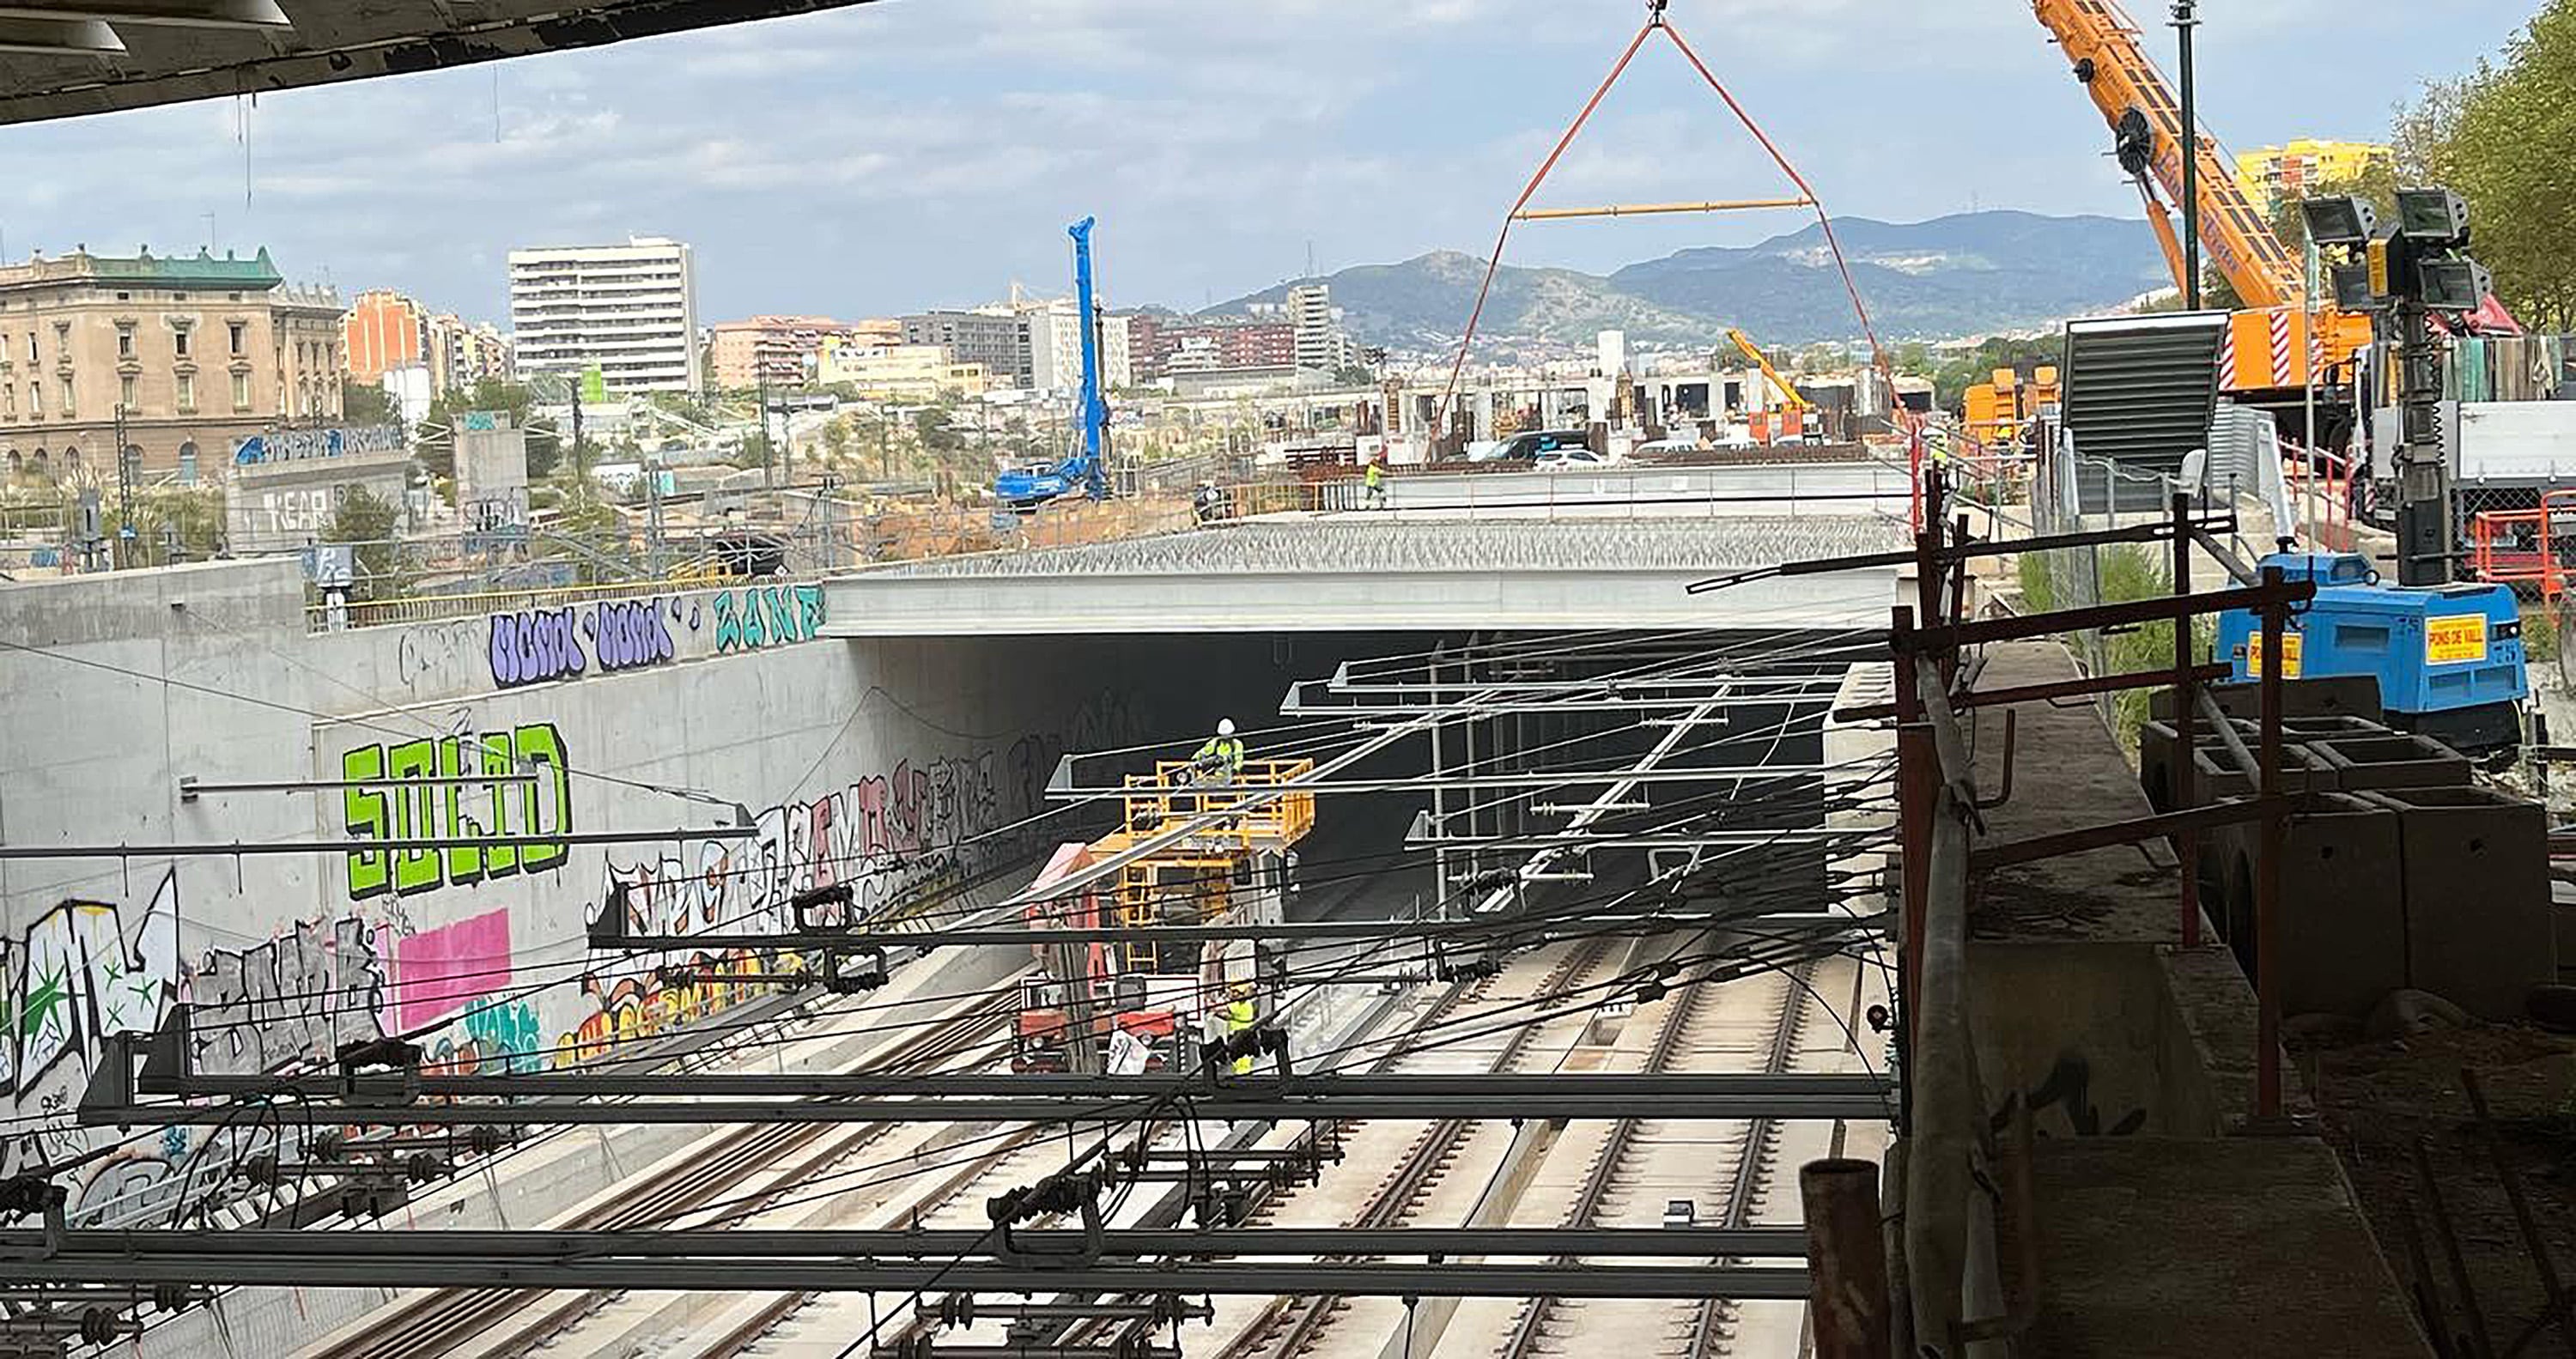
[(197, 353), (2277, 174), (995, 338), (631, 311)]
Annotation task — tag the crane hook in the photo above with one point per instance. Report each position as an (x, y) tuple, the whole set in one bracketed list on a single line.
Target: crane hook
[(1655, 13)]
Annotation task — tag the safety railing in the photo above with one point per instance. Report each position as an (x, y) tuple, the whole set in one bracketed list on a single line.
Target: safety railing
[(369, 613), (2321, 489), (1181, 789), (1957, 1301), (2529, 548)]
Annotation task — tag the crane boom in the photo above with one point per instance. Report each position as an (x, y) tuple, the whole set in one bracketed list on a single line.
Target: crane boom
[(1791, 396), (2102, 44)]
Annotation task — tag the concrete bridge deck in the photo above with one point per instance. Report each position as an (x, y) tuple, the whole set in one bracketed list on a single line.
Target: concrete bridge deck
[(1367, 573)]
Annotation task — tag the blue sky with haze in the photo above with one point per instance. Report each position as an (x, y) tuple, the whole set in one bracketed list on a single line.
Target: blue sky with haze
[(911, 153)]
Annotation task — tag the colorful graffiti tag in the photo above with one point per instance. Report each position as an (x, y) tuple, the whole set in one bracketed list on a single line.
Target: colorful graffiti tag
[(532, 646), (298, 997), (912, 816), (456, 811), (82, 971), (766, 616)]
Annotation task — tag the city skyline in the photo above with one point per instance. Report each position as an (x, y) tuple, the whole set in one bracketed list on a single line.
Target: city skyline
[(903, 156)]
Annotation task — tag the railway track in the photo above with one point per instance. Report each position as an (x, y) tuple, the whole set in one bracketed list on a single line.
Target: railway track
[(1634, 1154), (509, 1321), (1287, 1327)]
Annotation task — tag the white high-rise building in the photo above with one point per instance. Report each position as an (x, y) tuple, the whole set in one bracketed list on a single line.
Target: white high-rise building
[(1055, 347), (631, 310), (1319, 341)]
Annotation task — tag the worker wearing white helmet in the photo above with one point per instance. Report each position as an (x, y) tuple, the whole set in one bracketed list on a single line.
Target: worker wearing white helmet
[(1223, 753)]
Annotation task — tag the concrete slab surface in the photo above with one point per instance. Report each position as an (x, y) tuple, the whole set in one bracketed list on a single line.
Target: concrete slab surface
[(2189, 1248)]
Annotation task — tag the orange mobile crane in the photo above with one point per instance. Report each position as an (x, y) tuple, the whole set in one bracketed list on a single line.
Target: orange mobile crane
[(2262, 365)]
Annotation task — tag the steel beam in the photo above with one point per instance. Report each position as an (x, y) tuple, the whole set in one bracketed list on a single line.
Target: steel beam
[(325, 1268), (1290, 932), (927, 1243), (1572, 1101)]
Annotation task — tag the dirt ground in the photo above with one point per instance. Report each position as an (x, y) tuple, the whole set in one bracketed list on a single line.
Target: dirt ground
[(2378, 1099)]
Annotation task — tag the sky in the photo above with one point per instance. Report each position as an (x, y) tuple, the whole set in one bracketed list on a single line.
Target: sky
[(904, 154)]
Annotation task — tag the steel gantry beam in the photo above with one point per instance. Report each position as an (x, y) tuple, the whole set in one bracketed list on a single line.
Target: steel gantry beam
[(18, 1245), (408, 1098), (322, 1267)]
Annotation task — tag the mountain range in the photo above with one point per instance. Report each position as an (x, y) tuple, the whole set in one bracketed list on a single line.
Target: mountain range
[(1965, 274)]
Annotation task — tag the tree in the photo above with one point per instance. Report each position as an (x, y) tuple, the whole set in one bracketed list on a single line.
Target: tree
[(367, 519), (930, 423), (836, 436), (364, 403), (2503, 137), (437, 444), (1953, 378)]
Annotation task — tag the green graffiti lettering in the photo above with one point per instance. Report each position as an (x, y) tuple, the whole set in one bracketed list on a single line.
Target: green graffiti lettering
[(415, 813), (499, 860), (540, 743), (362, 811), (398, 800), (464, 860)]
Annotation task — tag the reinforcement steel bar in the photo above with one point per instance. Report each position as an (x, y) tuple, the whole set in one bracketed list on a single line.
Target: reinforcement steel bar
[(929, 1243), (1944, 638), (320, 1268)]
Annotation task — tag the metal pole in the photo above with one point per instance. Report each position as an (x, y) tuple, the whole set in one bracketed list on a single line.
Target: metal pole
[(2184, 23), (1847, 1294), (2267, 870), (2186, 718), (124, 555), (2308, 395)]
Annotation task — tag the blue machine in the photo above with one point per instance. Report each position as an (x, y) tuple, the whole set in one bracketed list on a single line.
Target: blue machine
[(1027, 488), (2448, 658)]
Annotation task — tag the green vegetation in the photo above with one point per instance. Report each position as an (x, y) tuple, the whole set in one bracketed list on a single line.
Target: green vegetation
[(367, 520), (2539, 633), (1953, 376), (2127, 573), (364, 403), (2504, 136), (437, 444)]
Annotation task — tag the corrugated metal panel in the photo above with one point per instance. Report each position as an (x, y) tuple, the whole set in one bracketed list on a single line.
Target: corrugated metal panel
[(2139, 395)]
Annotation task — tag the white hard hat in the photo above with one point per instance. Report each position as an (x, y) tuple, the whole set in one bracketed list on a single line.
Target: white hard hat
[(1225, 726)]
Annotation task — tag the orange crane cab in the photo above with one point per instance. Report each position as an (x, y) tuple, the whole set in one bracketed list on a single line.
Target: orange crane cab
[(2262, 363), (1135, 1005)]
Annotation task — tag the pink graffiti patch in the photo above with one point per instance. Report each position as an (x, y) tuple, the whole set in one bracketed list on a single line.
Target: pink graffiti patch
[(438, 972)]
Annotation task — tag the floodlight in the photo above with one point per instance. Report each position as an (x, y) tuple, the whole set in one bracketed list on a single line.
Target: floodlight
[(2432, 216), (2340, 220), (2352, 287), (2456, 284)]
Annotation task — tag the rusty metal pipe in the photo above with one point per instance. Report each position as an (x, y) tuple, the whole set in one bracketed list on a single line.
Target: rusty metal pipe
[(1847, 1297)]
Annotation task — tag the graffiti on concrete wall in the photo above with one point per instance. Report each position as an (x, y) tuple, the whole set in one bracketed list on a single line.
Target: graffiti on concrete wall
[(531, 646), (500, 1037), (404, 804), (435, 973), (767, 615), (299, 996), (2069, 1087), (911, 818), (629, 1010), (83, 970)]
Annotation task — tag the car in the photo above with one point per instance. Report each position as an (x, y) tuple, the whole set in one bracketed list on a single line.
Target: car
[(1526, 446), (1575, 458)]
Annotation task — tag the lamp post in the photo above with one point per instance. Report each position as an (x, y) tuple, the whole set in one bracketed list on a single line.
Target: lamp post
[(2184, 21)]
